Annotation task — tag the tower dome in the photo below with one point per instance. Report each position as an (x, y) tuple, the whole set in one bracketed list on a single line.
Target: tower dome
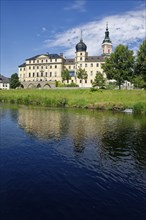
[(81, 46)]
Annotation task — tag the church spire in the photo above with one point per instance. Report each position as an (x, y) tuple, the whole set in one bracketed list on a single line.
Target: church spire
[(106, 38), (107, 44)]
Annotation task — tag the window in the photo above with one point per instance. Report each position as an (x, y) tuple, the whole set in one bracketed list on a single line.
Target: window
[(108, 50), (85, 80), (42, 61), (50, 67), (80, 81), (91, 81), (29, 61), (91, 64), (41, 67), (33, 61), (29, 74), (46, 74), (96, 72), (55, 66), (29, 67), (91, 73), (46, 61), (85, 64), (80, 65), (41, 74), (50, 74), (37, 67), (24, 68), (80, 53), (37, 61), (55, 74), (37, 74), (69, 67), (46, 67), (97, 64), (33, 67), (33, 74), (80, 58), (20, 69), (55, 60), (50, 60)]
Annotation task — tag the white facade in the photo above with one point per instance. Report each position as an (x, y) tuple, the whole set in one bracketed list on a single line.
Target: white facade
[(48, 67), (4, 82)]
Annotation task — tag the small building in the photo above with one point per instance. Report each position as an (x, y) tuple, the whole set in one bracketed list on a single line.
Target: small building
[(4, 82)]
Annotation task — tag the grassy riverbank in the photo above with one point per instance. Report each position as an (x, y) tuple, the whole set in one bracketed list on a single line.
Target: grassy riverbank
[(79, 98)]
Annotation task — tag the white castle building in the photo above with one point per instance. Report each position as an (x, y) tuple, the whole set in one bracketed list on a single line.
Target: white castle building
[(42, 71)]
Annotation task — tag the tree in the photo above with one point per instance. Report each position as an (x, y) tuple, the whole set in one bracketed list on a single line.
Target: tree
[(81, 74), (65, 74), (138, 81), (99, 80), (14, 81), (120, 65), (140, 66)]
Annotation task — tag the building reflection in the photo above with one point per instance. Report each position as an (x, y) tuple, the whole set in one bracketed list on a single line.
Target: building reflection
[(108, 133)]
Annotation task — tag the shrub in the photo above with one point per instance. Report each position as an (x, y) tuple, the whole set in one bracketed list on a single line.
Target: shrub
[(139, 108)]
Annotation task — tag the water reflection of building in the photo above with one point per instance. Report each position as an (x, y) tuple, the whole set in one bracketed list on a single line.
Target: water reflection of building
[(108, 133), (54, 123), (40, 123)]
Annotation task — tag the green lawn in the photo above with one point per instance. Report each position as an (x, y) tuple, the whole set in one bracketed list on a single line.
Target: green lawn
[(81, 98)]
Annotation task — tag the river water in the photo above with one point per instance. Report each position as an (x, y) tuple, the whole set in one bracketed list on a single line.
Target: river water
[(71, 164)]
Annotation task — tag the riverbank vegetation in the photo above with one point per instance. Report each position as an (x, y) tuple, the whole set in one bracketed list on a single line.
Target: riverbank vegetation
[(78, 98)]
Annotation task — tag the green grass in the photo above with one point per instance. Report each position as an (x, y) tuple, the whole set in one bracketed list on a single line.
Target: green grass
[(79, 98)]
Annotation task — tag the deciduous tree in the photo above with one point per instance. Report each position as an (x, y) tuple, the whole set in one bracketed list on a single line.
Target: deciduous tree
[(99, 80), (120, 65), (81, 74), (140, 66), (65, 74), (14, 81)]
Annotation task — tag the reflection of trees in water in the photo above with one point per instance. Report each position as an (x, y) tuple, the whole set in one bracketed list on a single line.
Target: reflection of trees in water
[(126, 137), (115, 134)]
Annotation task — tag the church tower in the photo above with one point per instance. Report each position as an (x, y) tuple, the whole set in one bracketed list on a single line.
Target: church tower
[(107, 44), (81, 53)]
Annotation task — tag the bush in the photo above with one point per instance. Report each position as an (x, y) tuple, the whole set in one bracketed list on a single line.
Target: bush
[(71, 85), (139, 108)]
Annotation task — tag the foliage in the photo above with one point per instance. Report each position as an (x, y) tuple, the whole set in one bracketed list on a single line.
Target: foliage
[(140, 66), (80, 98), (139, 108), (14, 81), (111, 85), (71, 85), (81, 74), (138, 82), (119, 65), (60, 84), (99, 80), (65, 74)]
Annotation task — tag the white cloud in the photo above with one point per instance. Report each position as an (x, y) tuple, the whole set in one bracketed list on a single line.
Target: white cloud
[(127, 28), (77, 5), (43, 29)]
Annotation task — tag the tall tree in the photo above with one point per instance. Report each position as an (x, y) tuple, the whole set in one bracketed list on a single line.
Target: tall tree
[(81, 74), (140, 66), (99, 80), (65, 74), (119, 65), (14, 81)]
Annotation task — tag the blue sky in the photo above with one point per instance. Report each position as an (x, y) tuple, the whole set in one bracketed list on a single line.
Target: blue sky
[(30, 27)]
